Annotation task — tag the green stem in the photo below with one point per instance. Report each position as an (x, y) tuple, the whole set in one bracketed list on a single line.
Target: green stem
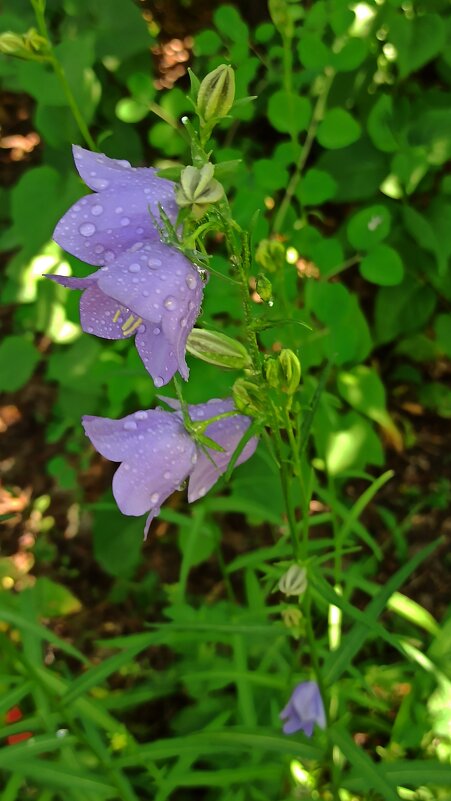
[(59, 72), (318, 113)]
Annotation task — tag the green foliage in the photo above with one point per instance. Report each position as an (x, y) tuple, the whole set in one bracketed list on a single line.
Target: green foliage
[(338, 169)]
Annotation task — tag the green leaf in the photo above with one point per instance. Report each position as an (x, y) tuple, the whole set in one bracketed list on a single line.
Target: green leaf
[(117, 542), (289, 113), (230, 23), (52, 599), (417, 40), (130, 110), (207, 43), (383, 266), (338, 129), (362, 388), (313, 53), (351, 55), (340, 660), (369, 227), (267, 177), (363, 764), (316, 187), (355, 184), (403, 308), (18, 358), (442, 328), (380, 124)]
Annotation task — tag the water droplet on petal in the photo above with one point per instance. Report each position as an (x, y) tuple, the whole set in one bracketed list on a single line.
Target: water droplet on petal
[(134, 268), (154, 498), (156, 331), (89, 330), (158, 381), (135, 247), (130, 425), (141, 415), (109, 255), (170, 303), (99, 183), (183, 322), (96, 210), (202, 492), (119, 210), (87, 229), (194, 458), (154, 263), (99, 249), (167, 475), (125, 221), (190, 281)]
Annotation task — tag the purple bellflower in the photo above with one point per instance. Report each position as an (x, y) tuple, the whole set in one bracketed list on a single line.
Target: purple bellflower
[(143, 287), (304, 709), (157, 453)]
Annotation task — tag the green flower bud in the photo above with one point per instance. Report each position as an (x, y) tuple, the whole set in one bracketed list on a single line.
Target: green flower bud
[(273, 373), (198, 189), (219, 349), (11, 43), (264, 287), (270, 255), (247, 397), (279, 11), (292, 618), (21, 45), (216, 93), (291, 369), (294, 581)]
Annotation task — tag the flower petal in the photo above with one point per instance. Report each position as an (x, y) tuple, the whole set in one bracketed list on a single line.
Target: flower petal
[(120, 439), (99, 227), (103, 316), (71, 282), (157, 354), (209, 468), (100, 173)]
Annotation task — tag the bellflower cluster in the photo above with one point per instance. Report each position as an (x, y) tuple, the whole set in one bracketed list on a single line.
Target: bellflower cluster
[(157, 453), (143, 287), (304, 709)]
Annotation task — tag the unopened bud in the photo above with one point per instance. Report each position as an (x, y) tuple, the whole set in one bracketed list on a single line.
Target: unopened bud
[(292, 617), (291, 369), (279, 11), (247, 397), (21, 45), (216, 93), (219, 349), (198, 189), (294, 581), (264, 287), (270, 255), (273, 373)]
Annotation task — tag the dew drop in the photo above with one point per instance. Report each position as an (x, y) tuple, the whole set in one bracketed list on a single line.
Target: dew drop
[(87, 229), (183, 322), (89, 330), (154, 498), (109, 255), (167, 475), (154, 263), (158, 381), (170, 303), (99, 249), (119, 210), (125, 221), (130, 425), (156, 331), (141, 415), (141, 329), (99, 183), (96, 210), (136, 246), (194, 458), (190, 281), (134, 268)]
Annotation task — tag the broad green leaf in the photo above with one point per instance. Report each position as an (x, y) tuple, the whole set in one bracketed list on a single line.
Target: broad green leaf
[(355, 184), (316, 187), (52, 599), (313, 53), (18, 358), (403, 308), (118, 542), (288, 112), (351, 55), (338, 129), (383, 266), (368, 227), (381, 126), (417, 40)]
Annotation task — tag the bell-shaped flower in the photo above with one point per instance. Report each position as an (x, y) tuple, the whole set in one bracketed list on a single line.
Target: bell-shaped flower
[(101, 226), (151, 291), (304, 709), (157, 453)]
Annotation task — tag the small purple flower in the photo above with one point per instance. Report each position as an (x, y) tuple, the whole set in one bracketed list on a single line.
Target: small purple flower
[(151, 291), (304, 709), (157, 453), (143, 287), (101, 226)]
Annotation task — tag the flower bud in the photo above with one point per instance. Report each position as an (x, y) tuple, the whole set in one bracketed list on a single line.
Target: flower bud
[(273, 373), (291, 369), (270, 255), (292, 618), (216, 93), (247, 397), (219, 349), (198, 189), (294, 581), (264, 287), (21, 45)]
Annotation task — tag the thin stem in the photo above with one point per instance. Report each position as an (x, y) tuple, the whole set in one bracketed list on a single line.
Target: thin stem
[(318, 113), (59, 72)]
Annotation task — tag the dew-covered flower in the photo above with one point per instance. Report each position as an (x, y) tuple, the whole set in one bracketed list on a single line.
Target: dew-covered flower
[(118, 214), (157, 453), (304, 709), (151, 291)]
